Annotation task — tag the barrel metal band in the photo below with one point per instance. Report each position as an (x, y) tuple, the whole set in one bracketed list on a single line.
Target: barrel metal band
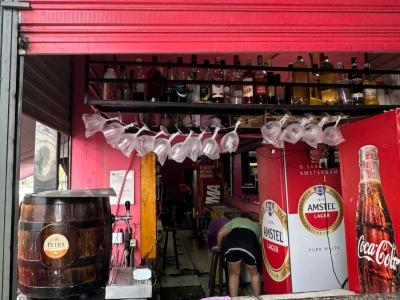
[(62, 292), (80, 262), (38, 226), (63, 200)]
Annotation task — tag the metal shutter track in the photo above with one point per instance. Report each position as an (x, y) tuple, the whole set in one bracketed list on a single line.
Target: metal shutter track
[(47, 90)]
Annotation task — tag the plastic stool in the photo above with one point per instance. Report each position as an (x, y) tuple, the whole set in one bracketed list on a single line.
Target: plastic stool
[(165, 257)]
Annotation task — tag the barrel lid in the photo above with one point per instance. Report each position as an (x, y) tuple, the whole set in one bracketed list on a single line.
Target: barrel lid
[(108, 192)]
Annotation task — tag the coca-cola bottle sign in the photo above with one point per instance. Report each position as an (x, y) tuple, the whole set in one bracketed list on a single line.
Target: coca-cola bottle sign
[(376, 248)]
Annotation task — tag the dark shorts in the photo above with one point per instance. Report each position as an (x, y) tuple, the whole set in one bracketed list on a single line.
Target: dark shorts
[(242, 244)]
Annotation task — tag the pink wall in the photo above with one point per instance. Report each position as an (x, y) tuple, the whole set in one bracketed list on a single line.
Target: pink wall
[(244, 205), (93, 159)]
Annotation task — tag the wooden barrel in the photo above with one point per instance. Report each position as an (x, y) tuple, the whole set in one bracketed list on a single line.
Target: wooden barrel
[(64, 245)]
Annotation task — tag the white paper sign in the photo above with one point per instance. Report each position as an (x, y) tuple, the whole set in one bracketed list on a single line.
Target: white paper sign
[(116, 178)]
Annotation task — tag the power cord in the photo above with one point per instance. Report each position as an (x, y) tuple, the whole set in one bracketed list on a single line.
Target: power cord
[(327, 235)]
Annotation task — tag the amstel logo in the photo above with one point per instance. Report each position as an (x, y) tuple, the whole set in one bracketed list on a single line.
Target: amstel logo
[(56, 246), (275, 241), (321, 210)]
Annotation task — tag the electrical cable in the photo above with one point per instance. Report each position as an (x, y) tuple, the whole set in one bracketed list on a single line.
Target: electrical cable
[(327, 235)]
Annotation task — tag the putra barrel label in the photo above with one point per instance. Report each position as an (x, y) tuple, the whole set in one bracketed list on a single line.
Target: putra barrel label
[(321, 210), (275, 246), (56, 246)]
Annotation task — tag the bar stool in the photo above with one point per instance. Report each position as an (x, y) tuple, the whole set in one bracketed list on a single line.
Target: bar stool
[(167, 230), (211, 240)]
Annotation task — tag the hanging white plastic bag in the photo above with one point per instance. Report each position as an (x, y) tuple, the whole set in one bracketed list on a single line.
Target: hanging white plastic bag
[(295, 131), (230, 141), (313, 133), (332, 135), (210, 146)]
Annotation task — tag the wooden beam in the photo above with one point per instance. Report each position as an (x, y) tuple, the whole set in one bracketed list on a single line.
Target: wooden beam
[(148, 206)]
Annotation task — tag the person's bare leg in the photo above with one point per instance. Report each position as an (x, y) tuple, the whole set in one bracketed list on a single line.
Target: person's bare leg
[(234, 277), (254, 279)]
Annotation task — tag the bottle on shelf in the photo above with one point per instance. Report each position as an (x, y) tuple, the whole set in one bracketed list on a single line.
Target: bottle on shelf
[(315, 91), (356, 78), (217, 89), (193, 90), (138, 94), (180, 89), (260, 78), (205, 89), (236, 89), (123, 89), (154, 90), (344, 92), (248, 76), (102, 84), (110, 88), (132, 88), (271, 89), (169, 88), (300, 93), (280, 90), (370, 94), (288, 89), (329, 94), (227, 87)]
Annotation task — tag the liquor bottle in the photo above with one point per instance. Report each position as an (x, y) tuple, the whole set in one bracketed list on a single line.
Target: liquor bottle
[(227, 87), (205, 89), (280, 90), (315, 91), (300, 93), (356, 77), (217, 94), (180, 90), (193, 90), (132, 88), (236, 89), (138, 95), (110, 88), (169, 88), (377, 252), (260, 77), (248, 76), (329, 94), (288, 89), (102, 84), (271, 89), (154, 90), (370, 94), (344, 93), (123, 89)]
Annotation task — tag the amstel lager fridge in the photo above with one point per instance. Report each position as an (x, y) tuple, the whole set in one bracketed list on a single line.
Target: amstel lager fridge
[(370, 174), (302, 221)]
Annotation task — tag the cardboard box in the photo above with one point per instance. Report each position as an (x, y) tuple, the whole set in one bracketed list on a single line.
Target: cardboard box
[(248, 121)]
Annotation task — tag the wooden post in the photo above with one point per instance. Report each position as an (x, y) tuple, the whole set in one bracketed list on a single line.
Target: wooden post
[(148, 206)]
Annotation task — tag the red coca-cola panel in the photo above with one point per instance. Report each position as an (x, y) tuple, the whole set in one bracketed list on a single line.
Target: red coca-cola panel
[(371, 254)]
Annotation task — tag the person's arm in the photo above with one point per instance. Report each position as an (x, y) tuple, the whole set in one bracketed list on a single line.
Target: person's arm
[(221, 233)]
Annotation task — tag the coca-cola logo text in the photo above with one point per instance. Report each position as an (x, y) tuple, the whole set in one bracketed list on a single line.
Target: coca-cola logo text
[(378, 253)]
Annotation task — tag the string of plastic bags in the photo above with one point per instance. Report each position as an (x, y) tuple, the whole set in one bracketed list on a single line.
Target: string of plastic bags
[(195, 145)]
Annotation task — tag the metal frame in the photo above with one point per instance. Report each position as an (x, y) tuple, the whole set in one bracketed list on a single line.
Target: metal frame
[(10, 122)]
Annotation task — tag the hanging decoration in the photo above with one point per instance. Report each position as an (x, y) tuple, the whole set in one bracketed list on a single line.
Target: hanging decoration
[(145, 141)]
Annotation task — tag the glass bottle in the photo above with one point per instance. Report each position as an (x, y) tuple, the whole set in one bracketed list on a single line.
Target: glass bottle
[(260, 77), (300, 93), (205, 89), (217, 89), (227, 87), (356, 78), (315, 91), (271, 89), (236, 89), (370, 94), (110, 88), (193, 90), (169, 88), (248, 76), (329, 94), (181, 88), (123, 89), (154, 90), (288, 88), (280, 90), (132, 88), (344, 92), (138, 95), (102, 83), (374, 230)]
